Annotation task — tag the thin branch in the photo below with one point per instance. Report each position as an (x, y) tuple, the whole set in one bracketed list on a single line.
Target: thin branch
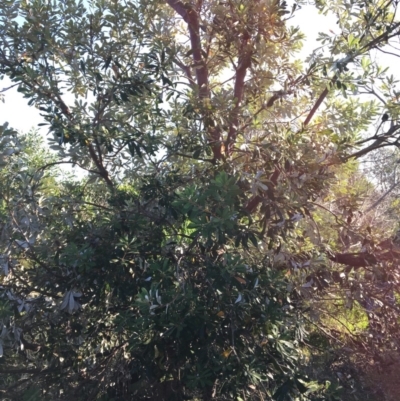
[(48, 165), (59, 102), (341, 323), (323, 330), (191, 157), (382, 198), (384, 36), (369, 46), (186, 70), (390, 53), (10, 87), (380, 142), (372, 92)]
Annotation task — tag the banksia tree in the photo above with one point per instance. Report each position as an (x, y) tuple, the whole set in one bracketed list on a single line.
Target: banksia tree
[(184, 263)]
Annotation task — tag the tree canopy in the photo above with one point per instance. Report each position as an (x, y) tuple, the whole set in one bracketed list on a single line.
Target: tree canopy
[(222, 222)]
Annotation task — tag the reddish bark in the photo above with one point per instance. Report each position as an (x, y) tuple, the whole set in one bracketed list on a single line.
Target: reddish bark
[(190, 15), (241, 70), (319, 101)]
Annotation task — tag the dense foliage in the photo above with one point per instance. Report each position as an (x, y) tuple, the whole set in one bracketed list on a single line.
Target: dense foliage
[(219, 226)]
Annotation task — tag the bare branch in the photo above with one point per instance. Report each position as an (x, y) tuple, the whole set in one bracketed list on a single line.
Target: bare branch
[(380, 142)]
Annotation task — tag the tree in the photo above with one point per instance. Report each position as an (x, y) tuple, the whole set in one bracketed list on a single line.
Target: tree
[(180, 267)]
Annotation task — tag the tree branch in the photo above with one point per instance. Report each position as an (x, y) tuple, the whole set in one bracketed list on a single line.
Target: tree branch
[(362, 259), (382, 198), (379, 143), (186, 70), (96, 158), (321, 98), (191, 17), (243, 65), (59, 102), (370, 45)]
